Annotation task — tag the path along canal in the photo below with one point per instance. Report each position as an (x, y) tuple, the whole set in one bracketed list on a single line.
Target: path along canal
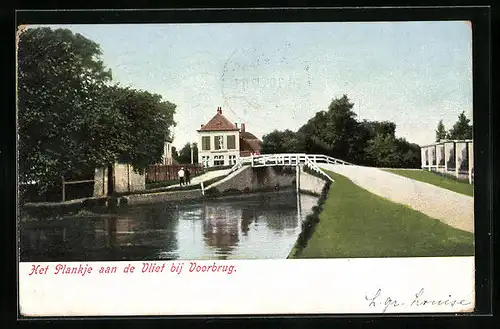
[(264, 226)]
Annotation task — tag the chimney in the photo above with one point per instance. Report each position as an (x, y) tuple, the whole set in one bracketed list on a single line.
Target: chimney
[(219, 110), (201, 126), (236, 124), (242, 127)]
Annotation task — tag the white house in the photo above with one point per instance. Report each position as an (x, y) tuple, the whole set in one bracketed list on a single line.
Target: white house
[(218, 142), (166, 158), (221, 142)]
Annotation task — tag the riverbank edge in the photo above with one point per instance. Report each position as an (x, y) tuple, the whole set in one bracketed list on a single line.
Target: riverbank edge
[(311, 221), (89, 205)]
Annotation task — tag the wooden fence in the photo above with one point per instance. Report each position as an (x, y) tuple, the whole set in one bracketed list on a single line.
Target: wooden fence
[(67, 182), (161, 172)]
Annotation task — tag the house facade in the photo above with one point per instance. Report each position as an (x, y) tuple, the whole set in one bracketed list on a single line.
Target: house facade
[(220, 142), (125, 179), (166, 158)]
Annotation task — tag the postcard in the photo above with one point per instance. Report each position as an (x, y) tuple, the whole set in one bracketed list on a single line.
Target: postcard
[(245, 168)]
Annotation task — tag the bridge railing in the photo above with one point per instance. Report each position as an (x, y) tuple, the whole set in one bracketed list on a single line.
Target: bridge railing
[(292, 159), (321, 158), (285, 159), (313, 166), (240, 163)]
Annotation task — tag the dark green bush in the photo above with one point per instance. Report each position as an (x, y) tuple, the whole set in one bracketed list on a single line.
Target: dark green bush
[(309, 224)]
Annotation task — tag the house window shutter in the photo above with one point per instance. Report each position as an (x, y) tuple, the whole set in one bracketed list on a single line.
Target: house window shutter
[(205, 141), (231, 142)]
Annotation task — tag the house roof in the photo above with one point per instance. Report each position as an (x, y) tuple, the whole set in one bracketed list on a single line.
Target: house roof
[(219, 123), (247, 135), (250, 145)]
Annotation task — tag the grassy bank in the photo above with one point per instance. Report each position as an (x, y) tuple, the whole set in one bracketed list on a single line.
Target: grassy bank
[(357, 223), (449, 183)]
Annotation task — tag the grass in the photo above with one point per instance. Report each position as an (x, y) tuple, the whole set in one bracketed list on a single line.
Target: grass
[(357, 223), (449, 183), (153, 185)]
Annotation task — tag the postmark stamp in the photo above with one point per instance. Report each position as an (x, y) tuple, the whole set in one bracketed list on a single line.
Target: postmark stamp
[(252, 77)]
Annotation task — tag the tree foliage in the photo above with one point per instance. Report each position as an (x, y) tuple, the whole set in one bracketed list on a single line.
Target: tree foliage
[(462, 129), (441, 131), (71, 119), (337, 133), (280, 142), (184, 155), (175, 154), (330, 132), (60, 82), (146, 124), (382, 148)]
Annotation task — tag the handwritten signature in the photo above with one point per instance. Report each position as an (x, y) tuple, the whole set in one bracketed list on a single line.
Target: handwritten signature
[(417, 300)]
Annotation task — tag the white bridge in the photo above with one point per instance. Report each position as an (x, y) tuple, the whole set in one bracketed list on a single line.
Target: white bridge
[(289, 159)]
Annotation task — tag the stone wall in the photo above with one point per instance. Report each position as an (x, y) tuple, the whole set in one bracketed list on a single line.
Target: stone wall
[(126, 180), (177, 196), (310, 183), (254, 179)]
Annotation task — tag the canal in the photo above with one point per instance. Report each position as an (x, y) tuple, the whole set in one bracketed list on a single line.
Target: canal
[(260, 227)]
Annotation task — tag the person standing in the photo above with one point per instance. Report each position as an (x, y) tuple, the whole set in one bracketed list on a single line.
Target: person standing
[(180, 173), (188, 176)]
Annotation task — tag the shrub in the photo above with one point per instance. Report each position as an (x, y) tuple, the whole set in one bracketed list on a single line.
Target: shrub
[(309, 224)]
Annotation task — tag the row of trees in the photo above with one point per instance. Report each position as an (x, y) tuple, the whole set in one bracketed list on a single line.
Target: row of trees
[(462, 129), (73, 118), (337, 133), (184, 154)]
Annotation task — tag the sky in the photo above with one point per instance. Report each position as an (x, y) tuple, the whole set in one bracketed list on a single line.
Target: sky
[(278, 75)]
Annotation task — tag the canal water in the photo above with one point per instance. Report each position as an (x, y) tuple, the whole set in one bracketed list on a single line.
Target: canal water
[(259, 227)]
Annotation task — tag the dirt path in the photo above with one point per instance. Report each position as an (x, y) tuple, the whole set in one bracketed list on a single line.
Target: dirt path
[(452, 208), (205, 177)]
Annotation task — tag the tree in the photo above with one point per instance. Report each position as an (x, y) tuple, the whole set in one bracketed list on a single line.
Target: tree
[(184, 155), (280, 142), (195, 153), (365, 132), (60, 108), (337, 133), (383, 149), (410, 154), (311, 137), (175, 154), (441, 131), (462, 129), (333, 132), (147, 122), (374, 128), (72, 120)]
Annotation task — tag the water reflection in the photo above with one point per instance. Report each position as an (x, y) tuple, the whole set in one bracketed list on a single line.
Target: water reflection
[(219, 233), (247, 218), (259, 227)]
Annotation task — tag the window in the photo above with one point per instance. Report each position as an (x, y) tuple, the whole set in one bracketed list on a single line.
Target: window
[(231, 142), (205, 161), (218, 160), (232, 159), (205, 143), (219, 142)]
